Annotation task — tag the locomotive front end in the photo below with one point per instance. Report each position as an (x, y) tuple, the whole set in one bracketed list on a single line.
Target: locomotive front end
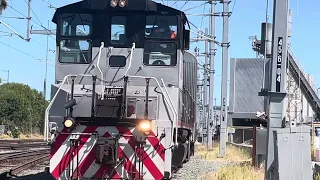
[(119, 92)]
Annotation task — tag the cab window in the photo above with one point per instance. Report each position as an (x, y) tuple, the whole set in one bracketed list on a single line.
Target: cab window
[(118, 30), (75, 24), (160, 54), (162, 27), (75, 51)]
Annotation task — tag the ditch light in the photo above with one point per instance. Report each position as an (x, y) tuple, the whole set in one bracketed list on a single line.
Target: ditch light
[(121, 3)]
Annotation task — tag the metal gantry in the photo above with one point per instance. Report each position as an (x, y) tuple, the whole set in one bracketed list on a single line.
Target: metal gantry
[(209, 72)]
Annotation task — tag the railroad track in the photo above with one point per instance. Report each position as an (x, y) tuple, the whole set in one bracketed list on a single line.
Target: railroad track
[(21, 144), (30, 158), (22, 155)]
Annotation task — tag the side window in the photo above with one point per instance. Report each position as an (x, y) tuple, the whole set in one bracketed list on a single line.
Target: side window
[(160, 54), (117, 61), (75, 24), (118, 30), (75, 51)]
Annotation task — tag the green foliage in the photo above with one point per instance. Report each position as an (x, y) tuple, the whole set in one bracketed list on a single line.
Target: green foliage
[(21, 106), (3, 5), (15, 133)]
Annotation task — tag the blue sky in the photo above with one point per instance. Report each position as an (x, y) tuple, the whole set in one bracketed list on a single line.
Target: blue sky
[(246, 19)]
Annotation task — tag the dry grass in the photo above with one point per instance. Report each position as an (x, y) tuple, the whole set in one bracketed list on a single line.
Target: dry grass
[(237, 173), (22, 136), (232, 154), (244, 171)]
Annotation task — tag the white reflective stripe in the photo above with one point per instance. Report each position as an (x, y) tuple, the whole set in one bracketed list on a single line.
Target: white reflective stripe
[(63, 149), (82, 154), (94, 167), (154, 156)]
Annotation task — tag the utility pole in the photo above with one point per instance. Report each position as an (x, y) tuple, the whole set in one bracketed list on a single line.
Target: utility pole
[(45, 74), (282, 141), (28, 20), (211, 123), (8, 74), (277, 95), (205, 86), (224, 79)]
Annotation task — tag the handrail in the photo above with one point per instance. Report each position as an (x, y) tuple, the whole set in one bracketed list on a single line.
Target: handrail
[(174, 109), (46, 116), (98, 66), (130, 60), (171, 108)]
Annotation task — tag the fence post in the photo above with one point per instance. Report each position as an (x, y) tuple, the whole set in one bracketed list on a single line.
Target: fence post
[(254, 145)]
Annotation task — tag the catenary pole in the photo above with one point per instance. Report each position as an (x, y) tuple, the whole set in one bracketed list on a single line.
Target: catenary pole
[(211, 123), (224, 79), (205, 85)]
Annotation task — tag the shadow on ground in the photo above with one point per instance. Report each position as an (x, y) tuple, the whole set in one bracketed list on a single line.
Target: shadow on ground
[(39, 176)]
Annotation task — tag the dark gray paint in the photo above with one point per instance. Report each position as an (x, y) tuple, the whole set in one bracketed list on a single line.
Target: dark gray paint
[(245, 82)]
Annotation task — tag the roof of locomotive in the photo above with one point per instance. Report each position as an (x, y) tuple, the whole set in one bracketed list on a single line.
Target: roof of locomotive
[(87, 6)]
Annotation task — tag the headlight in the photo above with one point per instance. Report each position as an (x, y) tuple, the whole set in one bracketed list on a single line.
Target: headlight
[(68, 123), (122, 3), (113, 3), (145, 126)]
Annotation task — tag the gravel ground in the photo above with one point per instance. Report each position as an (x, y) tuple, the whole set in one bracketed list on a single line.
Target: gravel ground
[(196, 168), (35, 169), (192, 170)]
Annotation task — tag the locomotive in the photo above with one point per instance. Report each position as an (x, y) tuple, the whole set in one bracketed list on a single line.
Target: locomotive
[(124, 97)]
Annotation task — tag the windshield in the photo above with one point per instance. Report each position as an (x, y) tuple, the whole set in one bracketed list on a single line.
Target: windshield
[(160, 54), (75, 51), (75, 24), (163, 27)]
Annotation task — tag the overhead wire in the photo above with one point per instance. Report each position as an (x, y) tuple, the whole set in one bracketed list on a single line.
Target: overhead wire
[(184, 4), (10, 17), (231, 12), (33, 57), (50, 4), (195, 7), (33, 21)]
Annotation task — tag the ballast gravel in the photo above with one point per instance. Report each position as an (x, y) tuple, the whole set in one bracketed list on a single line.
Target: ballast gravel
[(197, 168)]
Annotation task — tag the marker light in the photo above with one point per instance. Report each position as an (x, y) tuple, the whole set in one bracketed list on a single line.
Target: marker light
[(122, 3), (68, 123), (145, 126), (113, 3)]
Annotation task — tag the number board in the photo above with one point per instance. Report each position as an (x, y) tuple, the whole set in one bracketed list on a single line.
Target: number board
[(279, 64)]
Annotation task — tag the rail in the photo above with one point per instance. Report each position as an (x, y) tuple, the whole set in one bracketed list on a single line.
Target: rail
[(46, 120), (168, 102), (98, 66)]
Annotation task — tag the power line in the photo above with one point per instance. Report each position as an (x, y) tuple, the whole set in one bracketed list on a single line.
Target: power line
[(184, 4), (32, 20), (25, 17), (33, 13), (35, 58), (195, 7)]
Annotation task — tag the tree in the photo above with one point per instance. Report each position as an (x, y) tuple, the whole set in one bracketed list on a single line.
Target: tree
[(3, 5), (21, 106)]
